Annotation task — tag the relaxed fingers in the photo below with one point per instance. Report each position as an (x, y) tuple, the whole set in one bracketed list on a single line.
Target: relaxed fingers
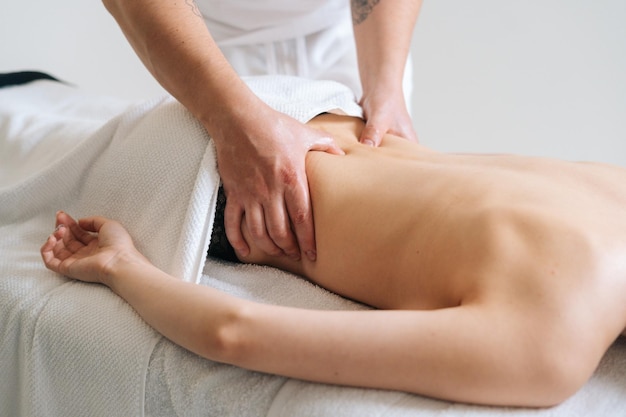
[(47, 254), (71, 241), (64, 219), (65, 246)]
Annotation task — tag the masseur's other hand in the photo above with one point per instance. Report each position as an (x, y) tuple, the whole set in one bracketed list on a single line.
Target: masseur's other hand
[(261, 162), (385, 113), (88, 250)]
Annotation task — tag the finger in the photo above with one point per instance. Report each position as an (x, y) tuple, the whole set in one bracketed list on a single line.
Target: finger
[(64, 219), (371, 135), (80, 234), (301, 215), (326, 144), (47, 254), (279, 229), (255, 223), (233, 215), (59, 250), (71, 242)]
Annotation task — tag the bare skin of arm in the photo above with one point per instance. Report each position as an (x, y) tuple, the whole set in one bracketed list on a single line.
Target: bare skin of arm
[(383, 31), (261, 163), (502, 278)]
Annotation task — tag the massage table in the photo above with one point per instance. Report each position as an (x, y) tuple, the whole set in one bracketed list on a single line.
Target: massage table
[(73, 349)]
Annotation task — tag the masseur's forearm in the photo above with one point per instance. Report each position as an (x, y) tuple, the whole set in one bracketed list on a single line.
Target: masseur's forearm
[(174, 44), (194, 316), (383, 32)]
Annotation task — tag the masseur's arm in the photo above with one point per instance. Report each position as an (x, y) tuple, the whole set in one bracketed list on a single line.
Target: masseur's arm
[(383, 32), (260, 151)]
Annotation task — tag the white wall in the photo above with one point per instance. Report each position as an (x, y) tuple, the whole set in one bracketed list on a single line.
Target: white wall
[(539, 77), (76, 40)]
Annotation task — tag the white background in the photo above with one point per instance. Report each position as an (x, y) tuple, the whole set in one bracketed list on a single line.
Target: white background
[(538, 77)]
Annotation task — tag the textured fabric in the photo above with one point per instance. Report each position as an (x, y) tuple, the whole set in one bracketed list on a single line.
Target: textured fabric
[(189, 385), (68, 348), (304, 99), (329, 54), (304, 38), (244, 22), (73, 349)]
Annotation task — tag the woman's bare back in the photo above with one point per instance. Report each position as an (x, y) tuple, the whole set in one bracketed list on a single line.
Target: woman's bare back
[(403, 227), (505, 275)]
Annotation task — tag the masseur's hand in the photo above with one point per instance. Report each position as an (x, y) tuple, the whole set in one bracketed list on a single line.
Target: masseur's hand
[(385, 112), (261, 161), (88, 250)]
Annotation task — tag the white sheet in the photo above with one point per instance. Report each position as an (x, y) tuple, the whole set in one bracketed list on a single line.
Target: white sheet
[(144, 167), (272, 396), (69, 348)]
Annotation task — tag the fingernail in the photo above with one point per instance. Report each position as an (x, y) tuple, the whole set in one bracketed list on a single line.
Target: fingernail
[(368, 142), (59, 227), (311, 254)]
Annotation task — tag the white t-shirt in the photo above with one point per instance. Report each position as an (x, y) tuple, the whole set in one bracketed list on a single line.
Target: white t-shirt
[(305, 38), (245, 22)]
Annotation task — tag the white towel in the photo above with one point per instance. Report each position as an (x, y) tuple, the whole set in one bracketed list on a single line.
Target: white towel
[(154, 169), (603, 396), (142, 168), (218, 390)]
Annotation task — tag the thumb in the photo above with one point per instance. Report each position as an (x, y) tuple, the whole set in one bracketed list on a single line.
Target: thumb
[(370, 135), (326, 144)]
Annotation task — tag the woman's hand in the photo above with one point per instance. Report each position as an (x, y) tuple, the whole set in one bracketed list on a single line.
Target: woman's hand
[(89, 250), (261, 161)]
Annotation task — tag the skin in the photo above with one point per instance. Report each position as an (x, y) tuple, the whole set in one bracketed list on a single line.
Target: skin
[(498, 279), (261, 153), (382, 31)]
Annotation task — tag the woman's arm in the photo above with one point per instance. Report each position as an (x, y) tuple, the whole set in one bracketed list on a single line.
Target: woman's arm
[(383, 32), (99, 250), (458, 353), (260, 151)]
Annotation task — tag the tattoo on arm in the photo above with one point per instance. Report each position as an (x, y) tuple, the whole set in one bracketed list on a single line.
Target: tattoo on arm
[(194, 7), (361, 9)]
